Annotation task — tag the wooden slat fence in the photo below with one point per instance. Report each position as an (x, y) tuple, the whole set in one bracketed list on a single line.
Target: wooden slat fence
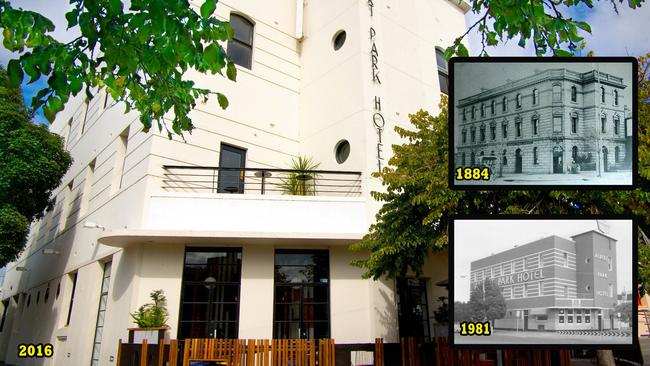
[(302, 352), (445, 355), (232, 352)]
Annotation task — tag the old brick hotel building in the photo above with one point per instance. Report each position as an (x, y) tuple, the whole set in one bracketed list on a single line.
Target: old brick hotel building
[(555, 283), (540, 123)]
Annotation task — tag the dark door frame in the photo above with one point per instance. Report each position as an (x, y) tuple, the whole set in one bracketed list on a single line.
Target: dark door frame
[(403, 325), (221, 188), (519, 161)]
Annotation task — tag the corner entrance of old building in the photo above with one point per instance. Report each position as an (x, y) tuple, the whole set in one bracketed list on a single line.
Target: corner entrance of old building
[(557, 161), (518, 161)]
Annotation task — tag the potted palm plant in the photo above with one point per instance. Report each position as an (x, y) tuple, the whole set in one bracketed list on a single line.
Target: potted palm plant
[(301, 182), (151, 319)]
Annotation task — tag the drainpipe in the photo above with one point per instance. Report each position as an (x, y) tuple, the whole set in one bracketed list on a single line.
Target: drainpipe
[(300, 4)]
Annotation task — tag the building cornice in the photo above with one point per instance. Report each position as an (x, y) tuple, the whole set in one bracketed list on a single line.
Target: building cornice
[(544, 76)]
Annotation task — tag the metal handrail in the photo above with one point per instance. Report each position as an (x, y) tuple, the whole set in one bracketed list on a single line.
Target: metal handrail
[(262, 180)]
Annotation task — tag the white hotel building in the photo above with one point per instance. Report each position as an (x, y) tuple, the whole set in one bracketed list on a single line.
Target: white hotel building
[(277, 265)]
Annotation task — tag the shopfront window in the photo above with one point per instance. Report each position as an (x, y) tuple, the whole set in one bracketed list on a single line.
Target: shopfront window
[(210, 293), (301, 294)]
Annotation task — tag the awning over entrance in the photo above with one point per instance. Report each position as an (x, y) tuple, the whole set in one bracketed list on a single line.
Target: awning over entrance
[(538, 311), (126, 237)]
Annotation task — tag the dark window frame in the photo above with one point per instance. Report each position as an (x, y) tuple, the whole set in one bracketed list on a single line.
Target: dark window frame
[(237, 264), (238, 41), (302, 286)]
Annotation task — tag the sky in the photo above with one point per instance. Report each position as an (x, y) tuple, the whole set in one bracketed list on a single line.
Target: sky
[(623, 34), (476, 239)]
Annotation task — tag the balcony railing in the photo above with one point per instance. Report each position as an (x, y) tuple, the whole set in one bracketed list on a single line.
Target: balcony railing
[(266, 181)]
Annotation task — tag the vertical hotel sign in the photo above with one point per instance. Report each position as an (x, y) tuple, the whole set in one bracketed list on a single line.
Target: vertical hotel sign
[(377, 118)]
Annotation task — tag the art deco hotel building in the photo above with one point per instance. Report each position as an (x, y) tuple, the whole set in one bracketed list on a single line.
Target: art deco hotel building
[(555, 283), (242, 246)]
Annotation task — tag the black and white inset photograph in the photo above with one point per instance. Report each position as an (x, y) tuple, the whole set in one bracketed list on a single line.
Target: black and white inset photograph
[(531, 122), (543, 282)]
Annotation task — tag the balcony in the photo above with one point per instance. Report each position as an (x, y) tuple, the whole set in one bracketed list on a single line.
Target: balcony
[(263, 181), (251, 205)]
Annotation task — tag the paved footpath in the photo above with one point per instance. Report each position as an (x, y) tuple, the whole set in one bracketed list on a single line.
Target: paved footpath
[(584, 178), (513, 337)]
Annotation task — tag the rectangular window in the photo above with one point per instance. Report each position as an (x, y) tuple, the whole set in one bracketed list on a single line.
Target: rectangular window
[(561, 318), (66, 209), (74, 288), (240, 47), (301, 300), (542, 317), (574, 124), (535, 125), (5, 309), (66, 133), (569, 319), (83, 120), (557, 124), (120, 158), (443, 73), (603, 124), (87, 189), (518, 128), (578, 319), (210, 292), (493, 132), (587, 319), (504, 130), (101, 315)]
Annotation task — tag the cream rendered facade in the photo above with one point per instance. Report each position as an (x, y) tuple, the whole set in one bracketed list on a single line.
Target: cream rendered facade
[(299, 97)]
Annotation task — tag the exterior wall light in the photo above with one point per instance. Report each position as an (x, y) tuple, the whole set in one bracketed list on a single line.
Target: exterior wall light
[(93, 225)]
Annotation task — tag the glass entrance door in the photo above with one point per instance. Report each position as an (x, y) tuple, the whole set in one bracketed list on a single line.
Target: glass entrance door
[(301, 294), (210, 293)]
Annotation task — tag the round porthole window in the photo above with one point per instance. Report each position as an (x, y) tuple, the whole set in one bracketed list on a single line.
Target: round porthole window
[(587, 260), (588, 288), (342, 151), (339, 40)]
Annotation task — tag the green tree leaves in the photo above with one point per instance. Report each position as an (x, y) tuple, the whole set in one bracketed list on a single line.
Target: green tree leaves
[(413, 221), (540, 22), (208, 8), (140, 55), (32, 163)]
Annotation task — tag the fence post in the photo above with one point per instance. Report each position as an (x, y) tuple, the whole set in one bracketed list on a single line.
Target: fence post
[(119, 350), (173, 352), (214, 171), (161, 352), (143, 353)]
